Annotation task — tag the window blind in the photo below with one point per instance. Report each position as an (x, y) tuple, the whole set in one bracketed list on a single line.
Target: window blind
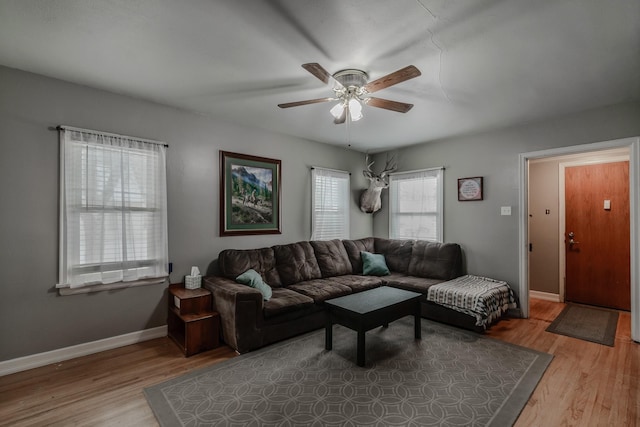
[(330, 204), (416, 204)]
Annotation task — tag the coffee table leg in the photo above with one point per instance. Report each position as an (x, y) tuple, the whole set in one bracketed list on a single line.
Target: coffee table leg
[(418, 324), (361, 344), (328, 335)]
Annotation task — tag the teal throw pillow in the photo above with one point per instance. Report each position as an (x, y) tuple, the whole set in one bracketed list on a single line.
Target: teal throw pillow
[(374, 264), (252, 278)]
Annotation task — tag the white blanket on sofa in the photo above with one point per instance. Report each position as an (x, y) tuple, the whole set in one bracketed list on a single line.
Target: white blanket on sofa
[(483, 298)]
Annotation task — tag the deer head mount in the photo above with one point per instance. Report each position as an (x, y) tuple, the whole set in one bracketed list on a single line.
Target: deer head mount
[(370, 198)]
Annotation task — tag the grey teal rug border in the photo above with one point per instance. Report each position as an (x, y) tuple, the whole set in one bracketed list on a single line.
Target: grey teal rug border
[(506, 414), (608, 336)]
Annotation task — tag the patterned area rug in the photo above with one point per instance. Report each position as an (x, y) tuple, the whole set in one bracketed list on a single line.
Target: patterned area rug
[(586, 323), (449, 378)]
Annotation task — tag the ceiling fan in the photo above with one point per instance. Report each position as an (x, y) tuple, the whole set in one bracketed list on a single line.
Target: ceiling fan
[(351, 90)]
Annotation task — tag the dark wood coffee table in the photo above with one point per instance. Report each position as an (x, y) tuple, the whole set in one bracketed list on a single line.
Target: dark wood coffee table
[(366, 310)]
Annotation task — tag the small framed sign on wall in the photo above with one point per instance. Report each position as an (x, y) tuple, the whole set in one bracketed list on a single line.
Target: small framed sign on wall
[(470, 189)]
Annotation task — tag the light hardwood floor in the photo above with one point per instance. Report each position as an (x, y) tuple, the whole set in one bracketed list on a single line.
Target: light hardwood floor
[(586, 384)]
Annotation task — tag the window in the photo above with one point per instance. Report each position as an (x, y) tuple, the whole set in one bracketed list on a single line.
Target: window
[(415, 205), (113, 211), (330, 204)]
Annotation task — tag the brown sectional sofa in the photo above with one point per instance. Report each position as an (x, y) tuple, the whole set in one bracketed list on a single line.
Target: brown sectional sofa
[(303, 275)]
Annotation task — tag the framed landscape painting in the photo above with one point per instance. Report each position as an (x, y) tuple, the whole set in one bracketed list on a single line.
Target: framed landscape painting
[(249, 195)]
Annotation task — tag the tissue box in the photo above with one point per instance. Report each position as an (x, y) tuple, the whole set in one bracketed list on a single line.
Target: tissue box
[(192, 282)]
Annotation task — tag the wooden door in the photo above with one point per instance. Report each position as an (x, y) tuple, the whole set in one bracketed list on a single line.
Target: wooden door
[(598, 251)]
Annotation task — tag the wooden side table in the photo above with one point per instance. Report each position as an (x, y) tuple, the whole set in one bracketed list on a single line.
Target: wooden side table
[(191, 323)]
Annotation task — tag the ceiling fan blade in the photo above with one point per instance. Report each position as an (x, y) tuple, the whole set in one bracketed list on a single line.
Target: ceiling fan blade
[(394, 78), (322, 74), (307, 102), (387, 104)]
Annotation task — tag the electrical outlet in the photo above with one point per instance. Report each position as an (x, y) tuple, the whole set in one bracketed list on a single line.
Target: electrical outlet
[(505, 210)]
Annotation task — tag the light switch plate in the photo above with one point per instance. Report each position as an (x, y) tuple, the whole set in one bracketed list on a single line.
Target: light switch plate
[(607, 205), (505, 210)]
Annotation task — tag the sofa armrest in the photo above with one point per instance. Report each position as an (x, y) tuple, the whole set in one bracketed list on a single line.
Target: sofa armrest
[(240, 308)]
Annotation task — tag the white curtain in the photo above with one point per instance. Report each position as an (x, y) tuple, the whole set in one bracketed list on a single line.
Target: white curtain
[(113, 222), (330, 204), (416, 204)]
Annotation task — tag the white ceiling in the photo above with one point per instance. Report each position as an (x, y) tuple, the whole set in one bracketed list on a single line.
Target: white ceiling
[(485, 63)]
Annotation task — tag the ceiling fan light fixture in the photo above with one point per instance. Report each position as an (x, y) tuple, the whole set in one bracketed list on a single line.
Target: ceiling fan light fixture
[(355, 109), (337, 110)]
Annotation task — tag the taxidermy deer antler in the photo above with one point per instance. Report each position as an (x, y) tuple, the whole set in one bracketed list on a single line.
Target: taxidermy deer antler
[(370, 198)]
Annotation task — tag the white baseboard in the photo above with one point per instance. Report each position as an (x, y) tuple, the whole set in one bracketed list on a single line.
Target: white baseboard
[(42, 359), (545, 296)]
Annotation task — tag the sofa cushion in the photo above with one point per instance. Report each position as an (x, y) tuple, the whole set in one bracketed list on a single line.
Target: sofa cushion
[(374, 264), (410, 283), (252, 278), (234, 262), (353, 248), (321, 289), (296, 262), (284, 301), (332, 257), (359, 283), (436, 260), (396, 252)]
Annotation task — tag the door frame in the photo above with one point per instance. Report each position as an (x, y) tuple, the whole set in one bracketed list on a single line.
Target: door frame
[(562, 209), (634, 196)]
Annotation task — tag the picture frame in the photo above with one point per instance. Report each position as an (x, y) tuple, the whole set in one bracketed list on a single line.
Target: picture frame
[(470, 189), (250, 194)]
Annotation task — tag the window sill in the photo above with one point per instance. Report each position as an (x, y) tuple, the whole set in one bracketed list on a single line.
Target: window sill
[(64, 291)]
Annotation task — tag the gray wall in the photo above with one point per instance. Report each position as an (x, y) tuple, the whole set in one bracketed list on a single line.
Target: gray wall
[(33, 318), (489, 240)]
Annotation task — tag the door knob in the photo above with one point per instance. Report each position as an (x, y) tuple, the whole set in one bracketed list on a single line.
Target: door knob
[(571, 236)]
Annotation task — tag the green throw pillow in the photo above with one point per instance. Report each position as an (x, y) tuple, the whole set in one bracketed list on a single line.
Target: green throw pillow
[(252, 278), (374, 264)]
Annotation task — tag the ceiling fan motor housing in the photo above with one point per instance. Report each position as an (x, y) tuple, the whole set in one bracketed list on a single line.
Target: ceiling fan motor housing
[(352, 82), (351, 78)]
